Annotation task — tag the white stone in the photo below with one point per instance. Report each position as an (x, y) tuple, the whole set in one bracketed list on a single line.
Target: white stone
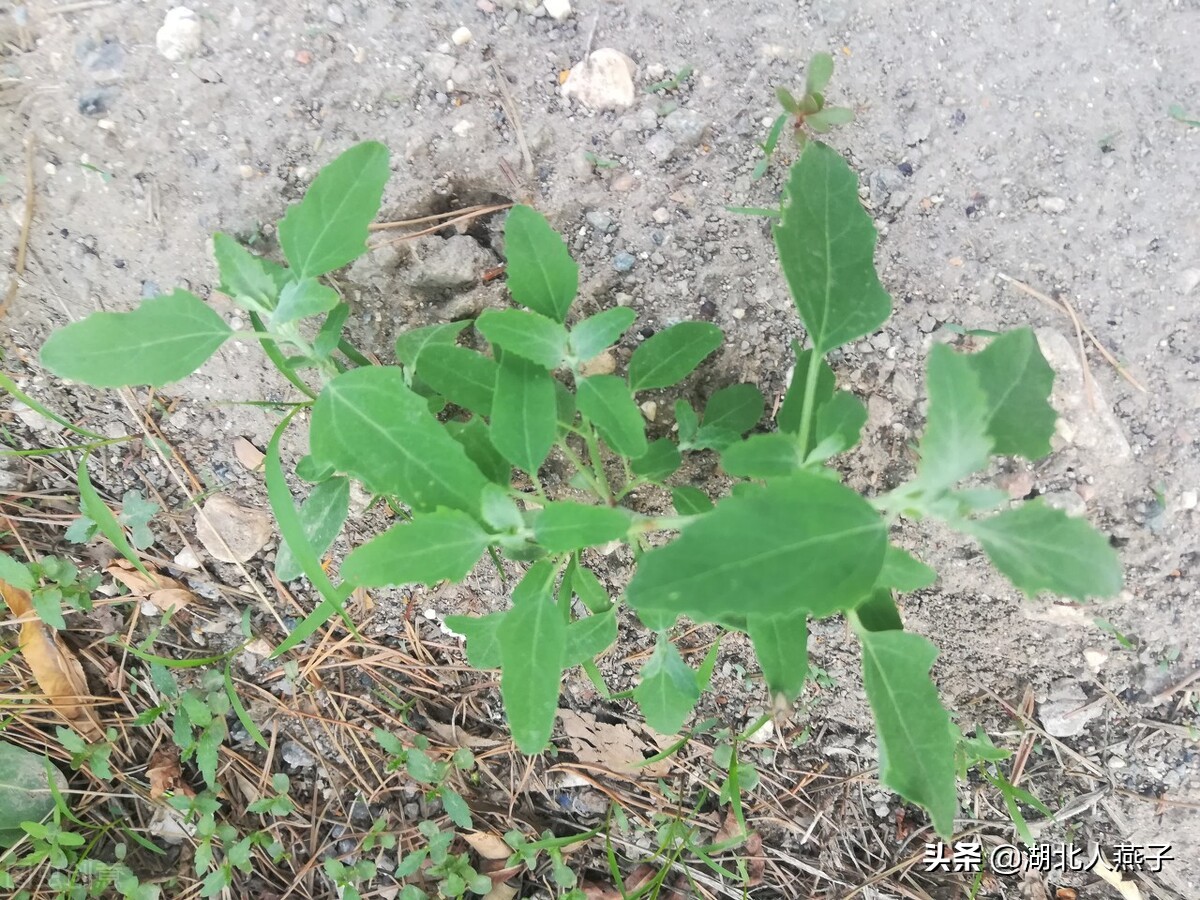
[(558, 9), (180, 34), (650, 410), (462, 35), (463, 127), (187, 559), (763, 734), (1188, 500), (602, 81), (1052, 204)]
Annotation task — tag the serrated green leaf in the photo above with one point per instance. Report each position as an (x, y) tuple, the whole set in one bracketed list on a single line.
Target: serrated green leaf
[(903, 572), (668, 691), (529, 335), (670, 356), (165, 339), (801, 542), (15, 573), (916, 745), (690, 501), (303, 298), (839, 423), (329, 227), (1017, 381), (524, 412), (533, 654), (244, 278), (588, 638), (462, 376), (826, 245), (781, 645), (322, 516), (368, 424), (567, 525), (432, 547), (599, 332), (483, 637), (820, 70), (788, 417), (413, 343), (607, 402), (659, 462), (955, 443), (541, 273), (1040, 548), (475, 438), (762, 456)]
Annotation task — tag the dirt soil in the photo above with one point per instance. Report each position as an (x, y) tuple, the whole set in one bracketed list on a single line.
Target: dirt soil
[(991, 140)]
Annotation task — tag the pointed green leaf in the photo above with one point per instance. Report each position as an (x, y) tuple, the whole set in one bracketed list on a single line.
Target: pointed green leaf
[(97, 510), (789, 414), (826, 245), (244, 278), (786, 100), (432, 547), (303, 298), (820, 70), (524, 412), (659, 462), (1040, 548), (329, 336), (368, 424), (762, 456), (567, 525), (608, 403), (329, 227), (828, 117), (955, 443), (588, 638), (541, 273), (527, 334), (916, 745), (729, 414), (482, 634), (413, 343), (903, 572), (1017, 381), (801, 542), (462, 376), (839, 423), (476, 440), (879, 611), (598, 332), (690, 501), (322, 515), (532, 658), (165, 339), (781, 645), (670, 356), (590, 591), (667, 692)]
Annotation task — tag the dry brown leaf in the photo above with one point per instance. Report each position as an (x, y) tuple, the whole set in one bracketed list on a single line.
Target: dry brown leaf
[(729, 828), (161, 590), (640, 877), (457, 737), (248, 455), (1127, 889), (755, 861), (501, 891), (165, 776), (617, 748), (594, 891), (488, 845), (54, 666)]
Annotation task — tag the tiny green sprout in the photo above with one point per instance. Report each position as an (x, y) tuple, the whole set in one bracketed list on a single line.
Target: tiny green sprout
[(278, 805), (672, 83), (807, 111)]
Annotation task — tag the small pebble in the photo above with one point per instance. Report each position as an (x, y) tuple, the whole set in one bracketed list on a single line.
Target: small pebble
[(688, 126), (485, 6), (303, 57), (557, 9), (463, 127), (335, 14), (297, 755), (661, 215), (462, 35), (1188, 500), (600, 220), (1052, 204), (650, 410), (623, 262), (180, 34)]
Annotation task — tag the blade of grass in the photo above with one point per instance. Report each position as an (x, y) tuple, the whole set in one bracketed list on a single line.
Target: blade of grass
[(97, 510), (243, 716), (10, 386)]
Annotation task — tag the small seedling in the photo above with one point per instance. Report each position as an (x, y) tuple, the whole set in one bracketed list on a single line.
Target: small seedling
[(809, 111), (136, 513)]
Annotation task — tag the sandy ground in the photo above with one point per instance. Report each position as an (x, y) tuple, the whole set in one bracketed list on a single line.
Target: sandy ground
[(990, 139)]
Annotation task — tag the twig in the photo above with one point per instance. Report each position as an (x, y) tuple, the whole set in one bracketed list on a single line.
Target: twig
[(1167, 693), (473, 212), (1063, 306), (26, 225), (81, 6), (510, 110)]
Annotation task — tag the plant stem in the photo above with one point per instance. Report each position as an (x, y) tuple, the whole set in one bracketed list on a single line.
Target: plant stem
[(580, 467), (593, 445), (810, 399)]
